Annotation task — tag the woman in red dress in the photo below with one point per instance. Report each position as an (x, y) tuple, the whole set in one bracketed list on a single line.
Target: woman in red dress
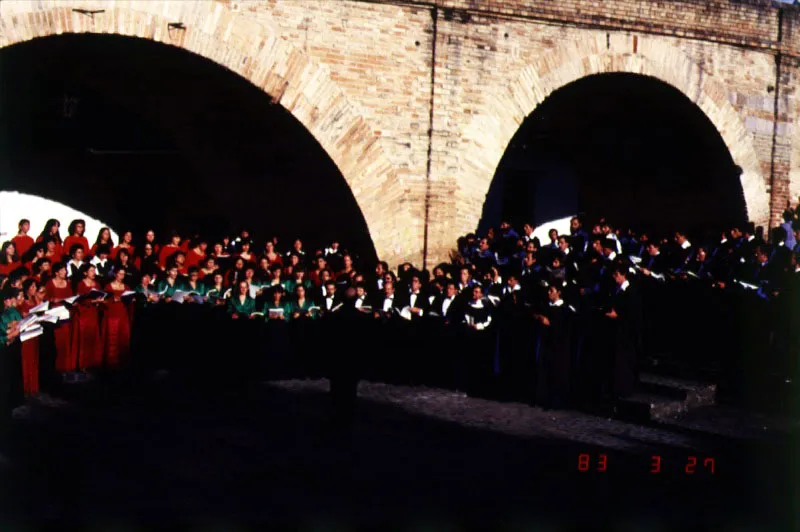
[(116, 323), (76, 230), (35, 257), (270, 254), (8, 258), (58, 289), (169, 250), (126, 242), (246, 254), (30, 348), (103, 238), (53, 250), (51, 232), (22, 240), (86, 346), (42, 271)]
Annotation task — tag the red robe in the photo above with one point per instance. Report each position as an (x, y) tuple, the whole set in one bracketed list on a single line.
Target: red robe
[(30, 359), (57, 253), (5, 269), (71, 240), (116, 249), (86, 346), (65, 360), (165, 253), (194, 259), (23, 243), (116, 331)]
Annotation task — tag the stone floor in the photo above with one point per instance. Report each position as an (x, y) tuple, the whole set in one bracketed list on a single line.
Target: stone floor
[(113, 453)]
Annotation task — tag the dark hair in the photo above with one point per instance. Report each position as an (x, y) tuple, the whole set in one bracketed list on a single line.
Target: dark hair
[(27, 285), (73, 226), (110, 242), (103, 248), (46, 231), (73, 248), (23, 222), (193, 269), (3, 259), (57, 266), (84, 269), (620, 270)]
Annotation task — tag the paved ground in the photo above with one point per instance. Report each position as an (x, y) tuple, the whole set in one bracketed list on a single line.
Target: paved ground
[(118, 454)]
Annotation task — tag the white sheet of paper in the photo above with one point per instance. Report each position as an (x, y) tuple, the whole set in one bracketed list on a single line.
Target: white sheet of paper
[(41, 307), (30, 333)]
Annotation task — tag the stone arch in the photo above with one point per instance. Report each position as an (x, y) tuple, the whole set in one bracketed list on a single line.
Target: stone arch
[(655, 58), (259, 54)]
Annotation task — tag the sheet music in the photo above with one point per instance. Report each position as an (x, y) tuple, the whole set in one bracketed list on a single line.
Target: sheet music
[(28, 322), (30, 333), (405, 313), (128, 293), (254, 291), (61, 313), (179, 296), (71, 300), (275, 313), (48, 319), (41, 307)]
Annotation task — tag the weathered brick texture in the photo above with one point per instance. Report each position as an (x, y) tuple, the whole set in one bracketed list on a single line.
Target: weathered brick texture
[(416, 102)]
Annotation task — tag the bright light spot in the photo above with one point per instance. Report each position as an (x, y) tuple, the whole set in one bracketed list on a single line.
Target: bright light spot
[(561, 225), (14, 206)]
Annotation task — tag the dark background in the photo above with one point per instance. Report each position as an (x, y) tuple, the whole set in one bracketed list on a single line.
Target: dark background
[(210, 150), (624, 146)]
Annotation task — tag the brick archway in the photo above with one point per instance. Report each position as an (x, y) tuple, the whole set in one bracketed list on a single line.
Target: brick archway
[(570, 62), (256, 52)]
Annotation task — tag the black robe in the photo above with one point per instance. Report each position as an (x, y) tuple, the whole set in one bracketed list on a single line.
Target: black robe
[(553, 353), (625, 334)]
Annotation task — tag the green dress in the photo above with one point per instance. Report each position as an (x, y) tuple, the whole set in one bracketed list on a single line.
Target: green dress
[(199, 288), (303, 310), (8, 316), (290, 286), (215, 295), (270, 305), (237, 307), (165, 290)]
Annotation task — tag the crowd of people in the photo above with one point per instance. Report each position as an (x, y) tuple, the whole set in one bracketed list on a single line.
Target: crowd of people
[(550, 320)]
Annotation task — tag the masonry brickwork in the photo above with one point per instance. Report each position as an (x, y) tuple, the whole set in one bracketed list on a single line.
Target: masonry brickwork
[(416, 101)]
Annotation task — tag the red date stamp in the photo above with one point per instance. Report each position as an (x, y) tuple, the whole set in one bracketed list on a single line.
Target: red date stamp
[(692, 465)]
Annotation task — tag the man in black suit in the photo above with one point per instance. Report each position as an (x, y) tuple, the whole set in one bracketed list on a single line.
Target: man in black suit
[(329, 300), (624, 328), (416, 300)]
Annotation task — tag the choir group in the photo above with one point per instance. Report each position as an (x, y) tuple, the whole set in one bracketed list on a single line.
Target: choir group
[(544, 318)]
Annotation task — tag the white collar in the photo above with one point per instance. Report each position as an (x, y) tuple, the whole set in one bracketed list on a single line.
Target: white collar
[(781, 243), (723, 240), (750, 239), (624, 286), (612, 256), (686, 244), (476, 304), (516, 287), (558, 303)]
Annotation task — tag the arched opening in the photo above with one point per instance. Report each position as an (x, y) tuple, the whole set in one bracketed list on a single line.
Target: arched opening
[(625, 146), (141, 134)]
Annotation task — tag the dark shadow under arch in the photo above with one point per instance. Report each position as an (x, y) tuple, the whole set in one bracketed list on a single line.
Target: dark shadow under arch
[(162, 137), (625, 146)]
